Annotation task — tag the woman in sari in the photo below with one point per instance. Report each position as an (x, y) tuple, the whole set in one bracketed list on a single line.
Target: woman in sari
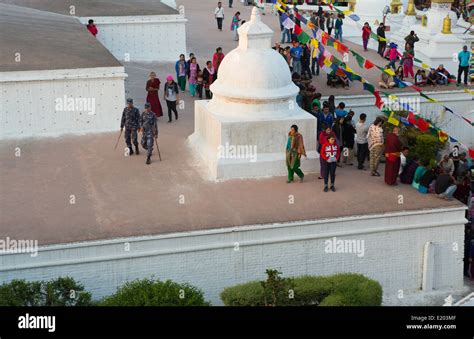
[(294, 151), (193, 74), (152, 87)]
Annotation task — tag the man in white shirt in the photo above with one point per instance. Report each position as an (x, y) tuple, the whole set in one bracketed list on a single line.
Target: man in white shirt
[(403, 159), (361, 140), (219, 14)]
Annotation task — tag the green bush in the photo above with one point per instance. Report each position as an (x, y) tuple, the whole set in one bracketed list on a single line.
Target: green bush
[(356, 289), (58, 292), (346, 289), (148, 292), (248, 294)]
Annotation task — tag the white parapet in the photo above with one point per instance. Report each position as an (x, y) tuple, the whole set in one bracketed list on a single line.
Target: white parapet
[(144, 38), (56, 102), (391, 251)]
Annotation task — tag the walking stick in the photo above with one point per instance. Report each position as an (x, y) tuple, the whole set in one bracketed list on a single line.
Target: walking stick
[(157, 148), (116, 144)]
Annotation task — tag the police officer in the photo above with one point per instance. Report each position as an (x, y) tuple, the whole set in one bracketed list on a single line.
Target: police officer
[(131, 122), (149, 125)]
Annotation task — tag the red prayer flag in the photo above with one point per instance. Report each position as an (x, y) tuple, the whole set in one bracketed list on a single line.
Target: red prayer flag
[(411, 118), (297, 30), (471, 153), (378, 100), (422, 124), (368, 64), (340, 72), (324, 38), (418, 89)]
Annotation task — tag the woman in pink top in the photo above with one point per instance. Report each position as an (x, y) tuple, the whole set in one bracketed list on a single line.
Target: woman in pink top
[(394, 54)]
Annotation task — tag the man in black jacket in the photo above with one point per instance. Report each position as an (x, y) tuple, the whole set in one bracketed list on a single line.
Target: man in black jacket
[(382, 43), (348, 132)]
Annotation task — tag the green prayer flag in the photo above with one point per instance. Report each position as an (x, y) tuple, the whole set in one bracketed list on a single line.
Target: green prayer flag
[(304, 38), (360, 59)]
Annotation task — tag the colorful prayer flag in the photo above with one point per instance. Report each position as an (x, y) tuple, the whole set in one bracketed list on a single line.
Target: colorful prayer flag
[(422, 124), (369, 87), (411, 118), (378, 100), (442, 136), (427, 97), (297, 30), (392, 120), (304, 38), (354, 17)]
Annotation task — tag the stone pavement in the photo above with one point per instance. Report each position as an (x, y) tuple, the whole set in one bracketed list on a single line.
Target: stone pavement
[(118, 196)]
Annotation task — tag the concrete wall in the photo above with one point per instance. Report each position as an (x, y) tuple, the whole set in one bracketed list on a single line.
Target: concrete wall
[(29, 101), (459, 101), (143, 38), (215, 259)]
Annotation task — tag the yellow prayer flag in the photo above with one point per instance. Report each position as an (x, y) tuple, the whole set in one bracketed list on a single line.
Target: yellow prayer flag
[(442, 136), (389, 71), (327, 62), (392, 120), (424, 66), (347, 12), (280, 9), (468, 91), (382, 39), (392, 97), (314, 43), (349, 69)]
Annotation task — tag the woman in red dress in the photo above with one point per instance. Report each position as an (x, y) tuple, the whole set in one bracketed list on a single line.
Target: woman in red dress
[(152, 87)]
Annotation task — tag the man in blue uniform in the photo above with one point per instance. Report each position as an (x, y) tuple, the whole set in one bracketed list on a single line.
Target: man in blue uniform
[(131, 122), (149, 126)]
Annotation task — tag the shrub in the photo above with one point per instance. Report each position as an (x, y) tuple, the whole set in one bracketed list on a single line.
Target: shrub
[(248, 294), (356, 289), (58, 292), (148, 292), (346, 289)]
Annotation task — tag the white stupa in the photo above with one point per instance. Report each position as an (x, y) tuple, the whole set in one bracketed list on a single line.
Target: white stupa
[(242, 131)]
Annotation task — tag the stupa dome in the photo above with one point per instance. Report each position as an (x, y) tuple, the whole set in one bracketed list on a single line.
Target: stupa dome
[(254, 70)]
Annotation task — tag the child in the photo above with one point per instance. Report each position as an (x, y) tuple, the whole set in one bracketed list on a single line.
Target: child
[(399, 73), (394, 55), (200, 81), (330, 153), (420, 78)]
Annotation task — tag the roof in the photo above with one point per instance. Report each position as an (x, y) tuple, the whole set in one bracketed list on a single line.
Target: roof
[(47, 41), (94, 8)]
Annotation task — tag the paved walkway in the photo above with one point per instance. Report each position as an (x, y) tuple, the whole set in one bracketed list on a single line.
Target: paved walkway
[(116, 196)]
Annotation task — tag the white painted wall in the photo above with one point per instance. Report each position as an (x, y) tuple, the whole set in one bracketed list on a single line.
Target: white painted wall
[(143, 38), (459, 101), (394, 245), (28, 101)]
